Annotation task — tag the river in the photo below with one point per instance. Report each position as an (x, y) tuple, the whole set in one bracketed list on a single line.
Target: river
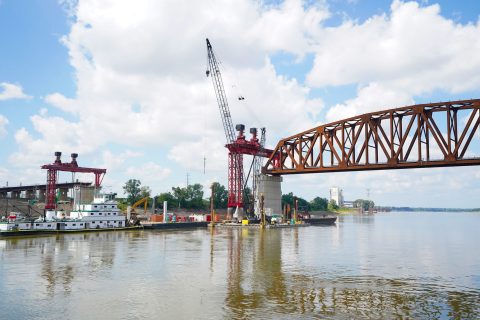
[(387, 265)]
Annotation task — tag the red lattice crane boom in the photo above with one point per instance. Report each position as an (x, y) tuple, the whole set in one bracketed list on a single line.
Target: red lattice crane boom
[(57, 166), (237, 145)]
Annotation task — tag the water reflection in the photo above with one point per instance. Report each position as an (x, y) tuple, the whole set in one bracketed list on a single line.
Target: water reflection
[(240, 274), (254, 278), (61, 257), (261, 280)]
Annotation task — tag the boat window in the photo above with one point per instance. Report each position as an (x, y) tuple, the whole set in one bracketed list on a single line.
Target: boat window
[(101, 221), (49, 225), (81, 224), (74, 224), (100, 213), (91, 214), (114, 213), (109, 213), (95, 206), (37, 224)]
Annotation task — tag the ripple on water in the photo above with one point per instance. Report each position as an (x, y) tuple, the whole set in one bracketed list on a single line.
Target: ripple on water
[(352, 270)]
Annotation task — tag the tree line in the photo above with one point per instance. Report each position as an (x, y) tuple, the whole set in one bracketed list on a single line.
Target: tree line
[(192, 197), (189, 197)]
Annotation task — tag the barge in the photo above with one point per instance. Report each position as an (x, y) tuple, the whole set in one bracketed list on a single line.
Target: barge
[(102, 214), (174, 225)]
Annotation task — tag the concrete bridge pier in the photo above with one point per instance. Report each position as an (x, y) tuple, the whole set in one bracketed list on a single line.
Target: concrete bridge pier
[(271, 188)]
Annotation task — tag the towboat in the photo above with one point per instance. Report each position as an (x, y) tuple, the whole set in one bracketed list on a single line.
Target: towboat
[(102, 214)]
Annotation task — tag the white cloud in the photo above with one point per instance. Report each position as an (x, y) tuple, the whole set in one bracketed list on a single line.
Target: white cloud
[(3, 125), (10, 91), (116, 161), (140, 74), (416, 187), (150, 174), (412, 49), (60, 101), (372, 97), (4, 175)]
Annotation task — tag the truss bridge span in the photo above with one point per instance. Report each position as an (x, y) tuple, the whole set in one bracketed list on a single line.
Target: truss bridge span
[(420, 136)]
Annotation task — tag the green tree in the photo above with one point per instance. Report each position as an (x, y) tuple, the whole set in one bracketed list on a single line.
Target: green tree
[(332, 205), (195, 196), (365, 204), (132, 190), (180, 196), (220, 195), (190, 197), (166, 196), (145, 192), (289, 198), (318, 204)]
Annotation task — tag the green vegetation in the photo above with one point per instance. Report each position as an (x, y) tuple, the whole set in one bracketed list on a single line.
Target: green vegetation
[(220, 195), (365, 204), (132, 190), (332, 205), (317, 204), (192, 197)]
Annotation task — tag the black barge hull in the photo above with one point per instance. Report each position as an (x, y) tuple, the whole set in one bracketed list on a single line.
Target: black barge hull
[(326, 221), (23, 233), (175, 225)]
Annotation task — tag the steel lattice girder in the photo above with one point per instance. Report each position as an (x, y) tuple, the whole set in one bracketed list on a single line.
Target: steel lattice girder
[(426, 135)]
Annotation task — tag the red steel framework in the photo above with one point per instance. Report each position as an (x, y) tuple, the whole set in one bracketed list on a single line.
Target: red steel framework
[(236, 150), (418, 136), (237, 145), (57, 166)]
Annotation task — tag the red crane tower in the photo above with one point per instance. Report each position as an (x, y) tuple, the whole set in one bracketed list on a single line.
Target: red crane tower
[(237, 145), (57, 166)]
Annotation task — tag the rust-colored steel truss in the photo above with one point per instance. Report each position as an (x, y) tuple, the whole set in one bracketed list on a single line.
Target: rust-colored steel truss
[(426, 135)]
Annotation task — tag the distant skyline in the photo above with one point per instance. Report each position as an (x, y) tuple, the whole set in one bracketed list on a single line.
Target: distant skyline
[(123, 84)]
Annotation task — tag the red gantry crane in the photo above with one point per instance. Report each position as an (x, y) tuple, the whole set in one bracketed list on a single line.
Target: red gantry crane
[(57, 166), (237, 145)]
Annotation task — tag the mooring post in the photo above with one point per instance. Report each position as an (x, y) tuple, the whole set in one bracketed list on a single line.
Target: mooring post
[(295, 212), (212, 206), (262, 211)]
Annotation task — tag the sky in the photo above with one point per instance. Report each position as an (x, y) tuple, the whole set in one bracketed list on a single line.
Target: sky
[(122, 83)]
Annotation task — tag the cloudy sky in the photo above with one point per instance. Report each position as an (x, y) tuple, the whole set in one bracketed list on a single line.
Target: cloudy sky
[(123, 84)]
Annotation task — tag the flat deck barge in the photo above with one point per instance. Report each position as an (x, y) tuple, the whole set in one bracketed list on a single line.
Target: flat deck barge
[(174, 225), (33, 232)]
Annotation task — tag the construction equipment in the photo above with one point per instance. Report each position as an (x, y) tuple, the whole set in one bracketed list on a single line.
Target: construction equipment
[(143, 201), (133, 216), (73, 167), (237, 145)]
